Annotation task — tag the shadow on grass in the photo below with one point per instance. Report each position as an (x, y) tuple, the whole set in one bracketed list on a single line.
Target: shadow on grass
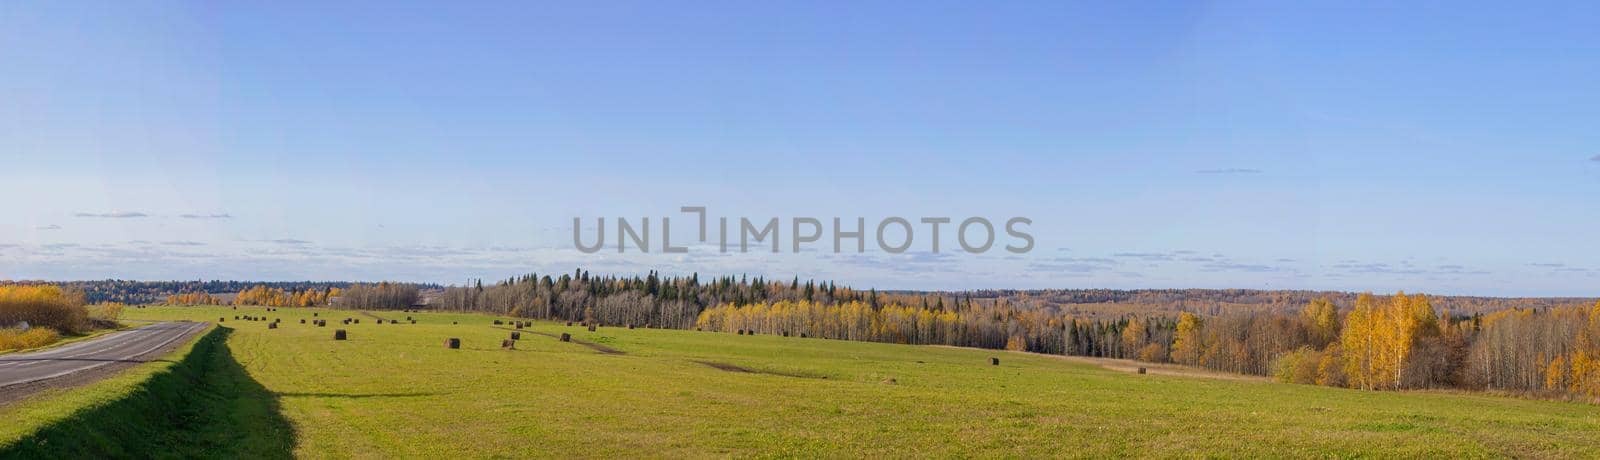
[(205, 406)]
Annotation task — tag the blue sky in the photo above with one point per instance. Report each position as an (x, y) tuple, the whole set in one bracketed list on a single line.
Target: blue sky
[(1443, 148)]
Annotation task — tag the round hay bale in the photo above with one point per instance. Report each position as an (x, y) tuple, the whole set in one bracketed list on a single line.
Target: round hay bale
[(497, 322), (994, 361), (222, 320), (516, 336), (272, 325), (1141, 370), (339, 335), (508, 344), (452, 343), (302, 320), (591, 328), (569, 324), (565, 337), (630, 327)]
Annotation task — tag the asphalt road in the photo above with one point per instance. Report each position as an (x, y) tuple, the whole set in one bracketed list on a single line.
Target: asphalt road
[(122, 347)]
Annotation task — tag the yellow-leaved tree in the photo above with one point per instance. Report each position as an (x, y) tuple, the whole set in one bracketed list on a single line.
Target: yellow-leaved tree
[(1186, 342)]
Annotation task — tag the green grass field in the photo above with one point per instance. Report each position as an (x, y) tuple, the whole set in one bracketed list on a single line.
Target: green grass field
[(394, 390)]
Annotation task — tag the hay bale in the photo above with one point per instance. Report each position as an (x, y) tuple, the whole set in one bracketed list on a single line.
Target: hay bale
[(802, 335), (339, 334), (508, 344), (222, 320), (630, 327), (323, 323), (302, 320), (516, 336), (519, 325), (994, 361), (1141, 370), (272, 325), (497, 322), (785, 333), (565, 337), (591, 328), (569, 324), (313, 314), (452, 343), (454, 323)]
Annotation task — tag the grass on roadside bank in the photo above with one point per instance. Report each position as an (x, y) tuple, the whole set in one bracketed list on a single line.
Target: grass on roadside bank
[(196, 403)]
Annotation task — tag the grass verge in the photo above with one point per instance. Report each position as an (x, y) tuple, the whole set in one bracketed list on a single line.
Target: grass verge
[(202, 405)]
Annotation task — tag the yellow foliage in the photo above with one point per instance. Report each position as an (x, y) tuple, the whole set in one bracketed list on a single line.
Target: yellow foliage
[(1377, 339), (1555, 376), (110, 311), (274, 297), (1187, 343), (42, 306), (1153, 352), (1322, 317), (1017, 343), (17, 339)]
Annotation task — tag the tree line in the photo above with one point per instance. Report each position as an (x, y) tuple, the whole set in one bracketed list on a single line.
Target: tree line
[(384, 295), (1398, 342), (661, 301), (153, 292)]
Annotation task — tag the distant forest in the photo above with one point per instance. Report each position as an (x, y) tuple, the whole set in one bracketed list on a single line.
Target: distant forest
[(151, 292), (1076, 302)]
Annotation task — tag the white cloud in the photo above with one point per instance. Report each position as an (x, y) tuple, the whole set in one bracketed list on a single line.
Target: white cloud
[(112, 215)]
